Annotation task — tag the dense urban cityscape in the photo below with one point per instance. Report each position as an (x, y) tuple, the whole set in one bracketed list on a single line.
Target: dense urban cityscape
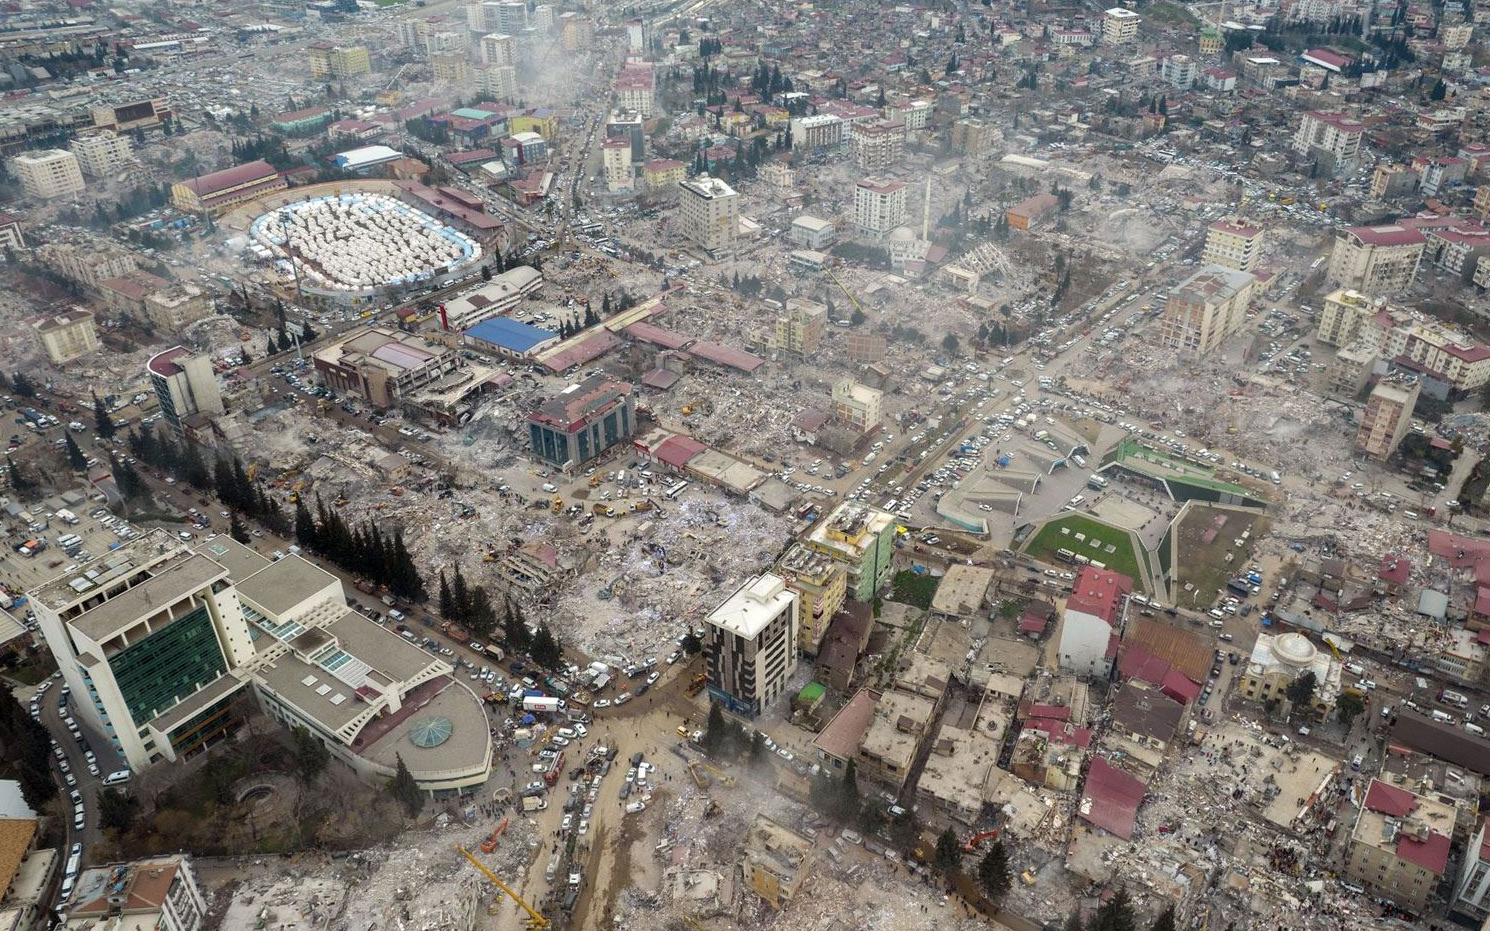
[(706, 465)]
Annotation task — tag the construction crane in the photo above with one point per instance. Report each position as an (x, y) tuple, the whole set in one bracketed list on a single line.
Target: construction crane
[(535, 921), (846, 292)]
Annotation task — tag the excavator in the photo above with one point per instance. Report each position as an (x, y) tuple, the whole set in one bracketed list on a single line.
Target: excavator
[(978, 838), (490, 844), (534, 921)]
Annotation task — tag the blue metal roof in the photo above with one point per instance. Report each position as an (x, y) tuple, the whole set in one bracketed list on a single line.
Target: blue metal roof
[(509, 334)]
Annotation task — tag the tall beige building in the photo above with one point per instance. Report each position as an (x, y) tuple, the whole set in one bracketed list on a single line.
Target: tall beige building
[(48, 173), (68, 335), (1206, 309), (615, 159), (450, 69), (1341, 317), (856, 406), (1378, 260), (1399, 846), (1332, 137), (102, 154), (1233, 244), (1120, 26), (499, 49), (338, 61), (876, 145), (879, 207), (709, 211), (799, 327), (1388, 417)]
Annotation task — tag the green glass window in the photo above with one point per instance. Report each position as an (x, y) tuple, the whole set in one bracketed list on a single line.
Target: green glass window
[(168, 665)]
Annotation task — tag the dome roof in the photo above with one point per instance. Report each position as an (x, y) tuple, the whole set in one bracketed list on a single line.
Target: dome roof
[(1294, 649), (431, 732)]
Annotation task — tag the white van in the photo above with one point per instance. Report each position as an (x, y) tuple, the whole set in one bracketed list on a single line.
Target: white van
[(117, 777), (396, 615)]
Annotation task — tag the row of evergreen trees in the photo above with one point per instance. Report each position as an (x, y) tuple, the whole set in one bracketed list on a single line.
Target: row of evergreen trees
[(226, 478), (364, 550), (23, 748)]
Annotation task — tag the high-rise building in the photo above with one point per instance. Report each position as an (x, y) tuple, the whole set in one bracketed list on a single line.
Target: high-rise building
[(709, 213), (628, 125), (185, 384), (750, 645), (48, 173), (88, 261), (876, 145), (636, 89), (821, 131), (1472, 887), (879, 207), (67, 335), (1179, 71), (581, 422), (1341, 316), (101, 154), (1377, 260), (821, 584), (1233, 244), (576, 32), (799, 327), (973, 136), (512, 16), (11, 236), (1120, 26), (499, 49), (338, 61), (450, 69), (1333, 138), (1399, 846), (1206, 309), (1388, 417), (862, 538), (615, 159)]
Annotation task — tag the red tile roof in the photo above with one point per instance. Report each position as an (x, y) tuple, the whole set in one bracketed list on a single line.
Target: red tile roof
[(1431, 853), (1099, 592), (206, 185), (677, 450), (1111, 798), (1390, 800), (1394, 568), (1391, 235)]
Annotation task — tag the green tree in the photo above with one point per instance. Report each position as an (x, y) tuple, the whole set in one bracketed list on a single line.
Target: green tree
[(117, 810), (714, 730), (1349, 706), (994, 875), (849, 799), (691, 643), (75, 456), (948, 857), (1116, 914), (236, 530), (22, 385), (950, 343), (311, 756), (1073, 920), (546, 650), (1301, 690), (103, 423), (405, 790), (18, 480), (757, 751), (1165, 921), (23, 746), (515, 628)]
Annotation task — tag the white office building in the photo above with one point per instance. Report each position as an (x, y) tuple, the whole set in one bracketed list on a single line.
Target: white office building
[(750, 644)]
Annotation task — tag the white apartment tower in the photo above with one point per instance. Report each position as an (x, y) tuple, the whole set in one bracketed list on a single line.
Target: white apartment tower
[(750, 644), (879, 207), (101, 154), (710, 212), (48, 173)]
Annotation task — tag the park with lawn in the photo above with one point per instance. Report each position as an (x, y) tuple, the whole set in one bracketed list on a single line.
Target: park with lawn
[(1113, 547)]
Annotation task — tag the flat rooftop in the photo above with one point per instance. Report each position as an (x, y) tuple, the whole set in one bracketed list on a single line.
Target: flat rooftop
[(151, 591), (281, 585), (752, 606)]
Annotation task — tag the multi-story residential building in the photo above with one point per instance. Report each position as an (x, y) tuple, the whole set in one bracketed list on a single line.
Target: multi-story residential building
[(576, 32), (799, 327), (138, 114), (512, 16), (102, 154), (89, 262), (1350, 371), (450, 69), (1472, 887), (1120, 26), (498, 49), (709, 213), (1399, 845), (382, 365), (1092, 621), (856, 407), (1233, 244), (497, 81), (775, 861), (879, 207), (862, 538), (627, 124), (1179, 71), (220, 191), (615, 158), (1334, 138), (1341, 316), (1205, 310), (821, 584), (811, 232), (581, 422), (877, 145), (664, 174), (501, 294), (636, 89), (185, 385), (750, 644), (48, 173), (821, 131), (1389, 181), (161, 894), (1457, 249), (972, 136), (1388, 417), (1276, 661), (1482, 202), (170, 308), (338, 61), (11, 236), (67, 335)]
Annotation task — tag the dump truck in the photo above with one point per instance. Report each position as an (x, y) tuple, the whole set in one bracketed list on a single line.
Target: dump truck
[(455, 632)]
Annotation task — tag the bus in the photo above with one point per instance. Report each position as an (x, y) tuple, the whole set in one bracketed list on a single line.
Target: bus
[(1065, 555), (675, 490)]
